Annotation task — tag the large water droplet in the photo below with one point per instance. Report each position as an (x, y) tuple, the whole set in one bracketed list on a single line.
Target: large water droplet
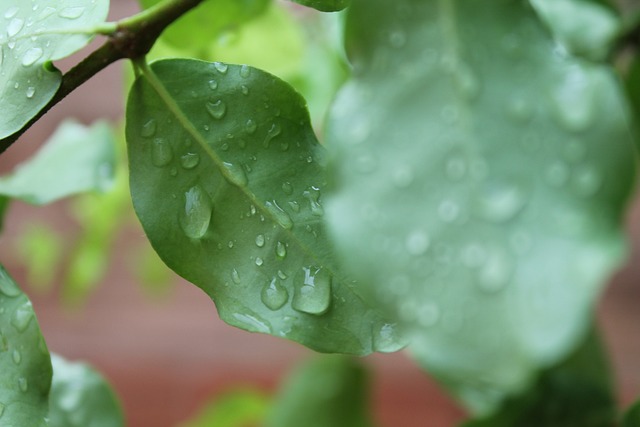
[(15, 26), (279, 215), (221, 67), (11, 12), (195, 217), (500, 200), (274, 294), (161, 152), (245, 71), (312, 194), (259, 261), (71, 12), (312, 290), (22, 317), (260, 240), (273, 132), (217, 109), (30, 92), (149, 128), (281, 250), (190, 160), (236, 174), (7, 286), (574, 100)]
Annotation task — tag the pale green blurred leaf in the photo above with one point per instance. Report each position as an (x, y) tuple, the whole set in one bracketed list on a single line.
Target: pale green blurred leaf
[(149, 270), (75, 159), (40, 248), (240, 408), (632, 416)]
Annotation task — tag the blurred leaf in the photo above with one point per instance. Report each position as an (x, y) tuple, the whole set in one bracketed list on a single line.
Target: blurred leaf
[(80, 397), (40, 248), (75, 159), (633, 84), (576, 393), (226, 179), (325, 5), (25, 367), (480, 181), (150, 271), (195, 31), (241, 408), (331, 391), (32, 34), (4, 206), (632, 416), (584, 28)]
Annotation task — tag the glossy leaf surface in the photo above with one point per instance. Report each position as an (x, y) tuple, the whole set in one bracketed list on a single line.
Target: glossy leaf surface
[(76, 159), (33, 33), (227, 179), (480, 180), (80, 397), (328, 392), (25, 367), (325, 5), (576, 393)]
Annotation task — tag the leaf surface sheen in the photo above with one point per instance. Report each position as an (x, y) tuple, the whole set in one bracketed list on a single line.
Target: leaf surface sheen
[(25, 366), (33, 33), (227, 179), (325, 5), (480, 180)]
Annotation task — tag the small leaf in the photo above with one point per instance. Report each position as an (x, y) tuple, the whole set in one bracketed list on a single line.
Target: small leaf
[(480, 181), (227, 180), (80, 397), (33, 33), (325, 5), (576, 393), (331, 391), (25, 366), (75, 159), (240, 408), (584, 28), (632, 416)]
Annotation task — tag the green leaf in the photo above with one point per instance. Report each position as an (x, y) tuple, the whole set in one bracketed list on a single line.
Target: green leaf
[(576, 393), (4, 206), (226, 179), (41, 249), (240, 408), (80, 397), (75, 159), (632, 416), (583, 28), (480, 179), (33, 33), (199, 28), (331, 391), (25, 367), (325, 5)]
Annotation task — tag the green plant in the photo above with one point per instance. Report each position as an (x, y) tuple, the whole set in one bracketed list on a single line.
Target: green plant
[(467, 206)]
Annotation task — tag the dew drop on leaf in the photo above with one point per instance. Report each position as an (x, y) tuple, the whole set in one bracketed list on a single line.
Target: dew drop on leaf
[(313, 196), (260, 240), (496, 272), (17, 357), (161, 152), (287, 188), (23, 384), (221, 67), (251, 126), (7, 287), (14, 26), (31, 56), (245, 71), (235, 276), (71, 12), (30, 92), (279, 215), (22, 317), (190, 160), (281, 250), (312, 290), (573, 101), (259, 261), (195, 217), (500, 201), (448, 211), (236, 174), (11, 12), (274, 295), (417, 242), (273, 132), (217, 109), (586, 181), (149, 128)]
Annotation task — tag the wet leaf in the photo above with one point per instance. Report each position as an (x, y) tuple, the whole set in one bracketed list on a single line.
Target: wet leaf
[(480, 181), (32, 34), (227, 180), (25, 367), (80, 397), (331, 391), (75, 159), (325, 5)]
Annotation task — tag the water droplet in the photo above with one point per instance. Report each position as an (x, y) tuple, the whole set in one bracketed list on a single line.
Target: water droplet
[(587, 181), (23, 384), (259, 261), (312, 194), (274, 295), (22, 317), (7, 286), (17, 357), (496, 272), (30, 92), (574, 100), (173, 171), (417, 242), (403, 176), (260, 240), (11, 12), (466, 81), (279, 215), (287, 188), (294, 206), (230, 244), (235, 276), (312, 290), (557, 174), (149, 128), (281, 250), (273, 132), (501, 200), (161, 152), (14, 27), (253, 322), (213, 84), (448, 211), (217, 109), (244, 89), (195, 217), (428, 314), (236, 174), (71, 12), (190, 160), (245, 71), (221, 67), (250, 126)]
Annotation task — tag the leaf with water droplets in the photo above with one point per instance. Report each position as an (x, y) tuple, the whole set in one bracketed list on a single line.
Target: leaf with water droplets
[(32, 34), (244, 222), (81, 397), (325, 5), (74, 160), (25, 367), (485, 221)]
